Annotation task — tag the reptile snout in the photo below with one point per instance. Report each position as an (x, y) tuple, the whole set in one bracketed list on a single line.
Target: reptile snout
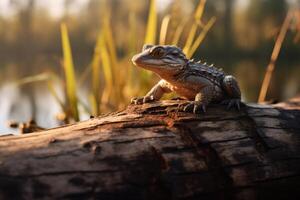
[(135, 59)]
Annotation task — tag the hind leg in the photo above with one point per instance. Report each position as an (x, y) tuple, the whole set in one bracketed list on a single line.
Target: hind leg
[(231, 87)]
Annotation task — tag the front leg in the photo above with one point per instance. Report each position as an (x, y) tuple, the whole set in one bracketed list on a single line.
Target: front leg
[(202, 99), (154, 94)]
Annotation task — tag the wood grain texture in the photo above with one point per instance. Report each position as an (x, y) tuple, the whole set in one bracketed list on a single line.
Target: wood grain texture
[(153, 151)]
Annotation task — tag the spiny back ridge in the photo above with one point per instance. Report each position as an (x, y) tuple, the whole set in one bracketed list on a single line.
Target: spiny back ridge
[(207, 71)]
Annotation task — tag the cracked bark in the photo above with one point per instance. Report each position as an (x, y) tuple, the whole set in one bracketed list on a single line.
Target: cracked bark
[(155, 152)]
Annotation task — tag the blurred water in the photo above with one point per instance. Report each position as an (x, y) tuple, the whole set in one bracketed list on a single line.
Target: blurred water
[(285, 82), (17, 105)]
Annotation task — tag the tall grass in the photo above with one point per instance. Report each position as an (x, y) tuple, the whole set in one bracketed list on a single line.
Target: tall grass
[(150, 37), (107, 67), (192, 49), (164, 29), (70, 78), (113, 79), (196, 21), (274, 56), (95, 96)]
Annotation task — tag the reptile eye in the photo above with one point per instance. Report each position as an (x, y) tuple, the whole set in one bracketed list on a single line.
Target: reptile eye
[(158, 52)]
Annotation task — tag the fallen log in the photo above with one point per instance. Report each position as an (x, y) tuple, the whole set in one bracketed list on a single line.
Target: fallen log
[(153, 151)]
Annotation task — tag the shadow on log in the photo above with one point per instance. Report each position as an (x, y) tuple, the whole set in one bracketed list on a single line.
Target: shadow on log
[(153, 151)]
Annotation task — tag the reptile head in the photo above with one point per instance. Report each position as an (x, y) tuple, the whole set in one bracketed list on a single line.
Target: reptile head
[(161, 59)]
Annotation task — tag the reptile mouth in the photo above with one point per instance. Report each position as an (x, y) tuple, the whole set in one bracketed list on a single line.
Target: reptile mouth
[(140, 62), (150, 65)]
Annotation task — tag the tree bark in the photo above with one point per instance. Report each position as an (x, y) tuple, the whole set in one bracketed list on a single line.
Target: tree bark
[(153, 151)]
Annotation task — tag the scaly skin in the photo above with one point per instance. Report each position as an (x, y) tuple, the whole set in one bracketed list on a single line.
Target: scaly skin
[(199, 83)]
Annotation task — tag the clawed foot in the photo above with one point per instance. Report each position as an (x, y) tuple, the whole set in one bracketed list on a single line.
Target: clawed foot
[(142, 100), (232, 103), (193, 106)]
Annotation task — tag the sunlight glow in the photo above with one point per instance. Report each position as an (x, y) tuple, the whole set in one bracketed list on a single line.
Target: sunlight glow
[(54, 7)]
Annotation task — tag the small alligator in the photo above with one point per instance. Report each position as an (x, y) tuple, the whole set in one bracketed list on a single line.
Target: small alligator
[(195, 81)]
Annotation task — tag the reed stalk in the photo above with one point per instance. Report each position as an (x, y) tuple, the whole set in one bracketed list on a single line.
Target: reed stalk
[(274, 56), (69, 74)]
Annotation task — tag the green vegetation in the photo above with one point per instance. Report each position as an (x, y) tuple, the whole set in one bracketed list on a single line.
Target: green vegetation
[(70, 78), (97, 45), (106, 65), (150, 37)]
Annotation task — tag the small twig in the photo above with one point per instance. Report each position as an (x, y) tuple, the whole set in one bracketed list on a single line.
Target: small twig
[(274, 56)]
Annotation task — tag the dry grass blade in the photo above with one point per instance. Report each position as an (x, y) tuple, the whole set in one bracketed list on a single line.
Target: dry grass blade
[(201, 37), (106, 66), (109, 41), (178, 32), (164, 29), (93, 104), (197, 17), (199, 10), (107, 70), (35, 78), (297, 18), (55, 95), (84, 75), (274, 56), (96, 78), (150, 37), (69, 73), (116, 72)]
